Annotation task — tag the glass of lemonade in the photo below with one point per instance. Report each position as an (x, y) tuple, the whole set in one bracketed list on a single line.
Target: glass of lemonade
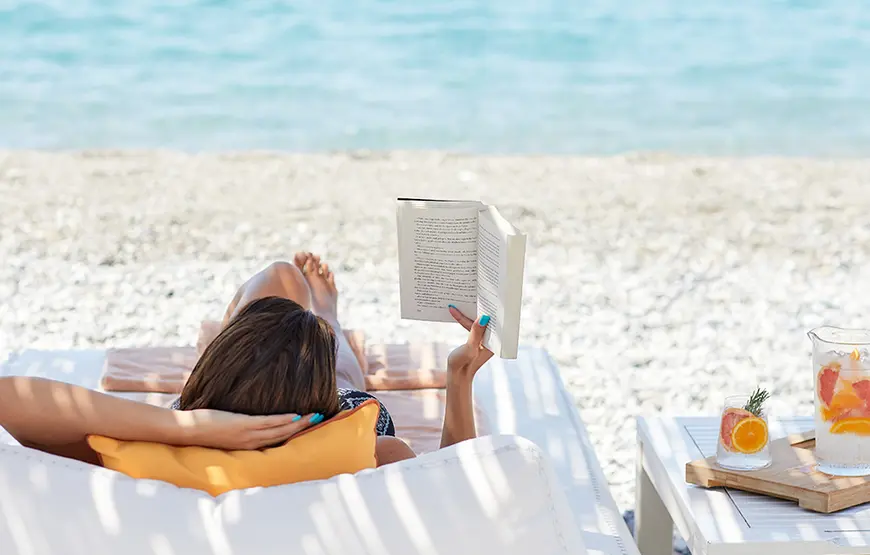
[(744, 440), (841, 372)]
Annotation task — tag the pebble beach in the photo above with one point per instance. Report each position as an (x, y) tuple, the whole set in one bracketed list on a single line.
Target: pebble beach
[(658, 283)]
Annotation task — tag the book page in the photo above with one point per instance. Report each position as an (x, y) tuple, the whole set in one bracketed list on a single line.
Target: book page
[(491, 279), (500, 264), (437, 258)]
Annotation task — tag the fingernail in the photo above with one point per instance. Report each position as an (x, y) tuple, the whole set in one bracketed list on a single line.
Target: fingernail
[(484, 320), (452, 306), (315, 418), (297, 418)]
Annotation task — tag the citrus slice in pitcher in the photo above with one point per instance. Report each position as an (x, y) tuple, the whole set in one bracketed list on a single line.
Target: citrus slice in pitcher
[(862, 390), (857, 426), (749, 435), (842, 404), (827, 383)]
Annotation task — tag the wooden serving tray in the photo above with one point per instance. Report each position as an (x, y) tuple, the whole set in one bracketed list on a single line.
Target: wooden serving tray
[(792, 476)]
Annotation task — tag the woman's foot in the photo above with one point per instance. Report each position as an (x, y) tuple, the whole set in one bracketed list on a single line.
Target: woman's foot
[(324, 303), (321, 281), (299, 260)]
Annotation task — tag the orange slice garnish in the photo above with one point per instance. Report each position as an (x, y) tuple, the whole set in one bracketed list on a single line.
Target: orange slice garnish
[(749, 435), (857, 426), (730, 418)]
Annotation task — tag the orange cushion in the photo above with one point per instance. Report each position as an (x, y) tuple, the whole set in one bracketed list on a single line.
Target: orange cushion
[(342, 444)]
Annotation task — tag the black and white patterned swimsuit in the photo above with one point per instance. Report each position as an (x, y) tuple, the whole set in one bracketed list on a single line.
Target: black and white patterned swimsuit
[(350, 399)]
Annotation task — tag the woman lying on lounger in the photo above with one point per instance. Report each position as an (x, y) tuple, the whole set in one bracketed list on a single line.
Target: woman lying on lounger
[(279, 365)]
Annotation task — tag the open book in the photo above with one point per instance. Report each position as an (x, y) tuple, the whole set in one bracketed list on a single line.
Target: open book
[(466, 254)]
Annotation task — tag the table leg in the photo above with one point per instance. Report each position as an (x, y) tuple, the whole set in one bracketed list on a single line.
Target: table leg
[(654, 528)]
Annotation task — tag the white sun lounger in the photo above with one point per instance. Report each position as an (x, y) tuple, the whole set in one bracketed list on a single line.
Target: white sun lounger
[(525, 397)]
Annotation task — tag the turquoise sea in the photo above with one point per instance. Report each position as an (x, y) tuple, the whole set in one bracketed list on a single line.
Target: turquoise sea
[(560, 76)]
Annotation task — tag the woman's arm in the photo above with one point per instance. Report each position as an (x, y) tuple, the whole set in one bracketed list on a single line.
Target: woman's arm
[(462, 364), (459, 413), (56, 417)]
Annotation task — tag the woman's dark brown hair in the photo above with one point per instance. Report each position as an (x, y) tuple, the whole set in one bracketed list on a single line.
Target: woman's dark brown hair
[(274, 357)]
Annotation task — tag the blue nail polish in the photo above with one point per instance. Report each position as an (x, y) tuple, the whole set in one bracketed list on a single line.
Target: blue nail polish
[(453, 306), (484, 320), (297, 418), (315, 418)]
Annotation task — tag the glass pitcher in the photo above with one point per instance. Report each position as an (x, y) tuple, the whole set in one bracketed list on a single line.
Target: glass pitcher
[(841, 372)]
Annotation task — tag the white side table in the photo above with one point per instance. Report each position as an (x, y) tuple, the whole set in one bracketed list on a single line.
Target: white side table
[(724, 521)]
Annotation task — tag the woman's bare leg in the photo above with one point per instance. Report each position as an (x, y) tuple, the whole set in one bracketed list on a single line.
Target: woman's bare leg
[(278, 279), (392, 449), (324, 303), (312, 285)]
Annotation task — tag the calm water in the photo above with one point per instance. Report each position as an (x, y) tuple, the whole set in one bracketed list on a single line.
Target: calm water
[(587, 76)]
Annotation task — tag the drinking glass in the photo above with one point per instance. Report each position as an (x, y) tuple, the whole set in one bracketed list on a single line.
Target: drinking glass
[(744, 440)]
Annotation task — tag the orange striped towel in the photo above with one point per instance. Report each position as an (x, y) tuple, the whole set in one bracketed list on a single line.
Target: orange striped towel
[(410, 380), (386, 367)]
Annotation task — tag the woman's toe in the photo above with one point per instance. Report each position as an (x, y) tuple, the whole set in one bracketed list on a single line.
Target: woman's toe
[(299, 259)]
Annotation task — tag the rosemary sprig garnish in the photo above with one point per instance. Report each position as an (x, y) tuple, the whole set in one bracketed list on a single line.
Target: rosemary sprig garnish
[(756, 401)]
